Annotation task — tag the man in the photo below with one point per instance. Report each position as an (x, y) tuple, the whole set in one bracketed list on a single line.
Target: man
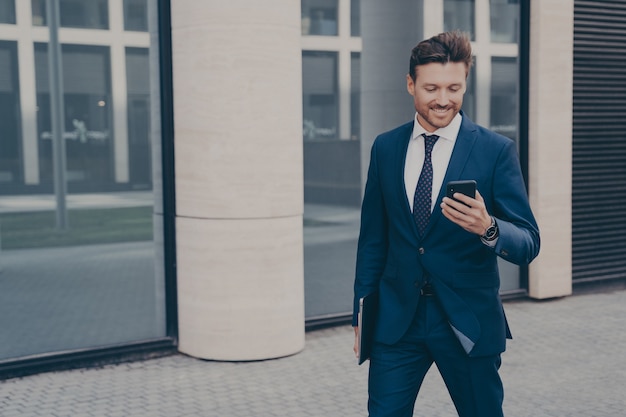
[(436, 273)]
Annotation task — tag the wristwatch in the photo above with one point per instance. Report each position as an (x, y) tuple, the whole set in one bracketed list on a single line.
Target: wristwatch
[(492, 231)]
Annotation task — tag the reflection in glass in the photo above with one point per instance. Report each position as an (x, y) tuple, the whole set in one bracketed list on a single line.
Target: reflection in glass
[(95, 284), (319, 17), (88, 125), (320, 95), (138, 85), (135, 15), (331, 232), (10, 140), (504, 96), (39, 12), (504, 20), (459, 15), (7, 11), (355, 17), (504, 115), (355, 95), (469, 98), (92, 14), (332, 187)]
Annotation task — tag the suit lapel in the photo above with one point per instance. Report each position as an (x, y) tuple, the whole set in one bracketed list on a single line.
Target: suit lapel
[(404, 139)]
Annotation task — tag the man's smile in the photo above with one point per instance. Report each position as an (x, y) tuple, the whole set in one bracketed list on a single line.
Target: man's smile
[(440, 110)]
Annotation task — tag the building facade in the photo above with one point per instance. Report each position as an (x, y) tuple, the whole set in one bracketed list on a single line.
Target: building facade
[(216, 155)]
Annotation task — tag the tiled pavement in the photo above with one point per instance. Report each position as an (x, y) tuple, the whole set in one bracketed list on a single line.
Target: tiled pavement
[(567, 359)]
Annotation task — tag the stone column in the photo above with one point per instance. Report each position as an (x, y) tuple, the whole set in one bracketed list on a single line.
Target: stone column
[(550, 144), (239, 185)]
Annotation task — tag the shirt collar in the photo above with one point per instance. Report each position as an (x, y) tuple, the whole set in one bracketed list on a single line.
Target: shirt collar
[(449, 132)]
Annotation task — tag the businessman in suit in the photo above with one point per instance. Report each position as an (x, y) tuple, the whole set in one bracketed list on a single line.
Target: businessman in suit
[(433, 259)]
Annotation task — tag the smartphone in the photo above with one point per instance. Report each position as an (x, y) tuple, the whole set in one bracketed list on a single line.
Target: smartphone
[(467, 187)]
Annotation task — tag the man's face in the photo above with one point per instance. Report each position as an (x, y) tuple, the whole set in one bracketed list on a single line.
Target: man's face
[(437, 93)]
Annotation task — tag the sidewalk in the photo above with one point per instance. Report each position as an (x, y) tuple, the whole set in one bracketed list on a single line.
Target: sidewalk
[(567, 359), (40, 202)]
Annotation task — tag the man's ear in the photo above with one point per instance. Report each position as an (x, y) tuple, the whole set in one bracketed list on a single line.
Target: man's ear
[(410, 84)]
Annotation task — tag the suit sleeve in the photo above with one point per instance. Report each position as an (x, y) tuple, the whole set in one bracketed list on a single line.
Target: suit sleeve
[(518, 240), (373, 237)]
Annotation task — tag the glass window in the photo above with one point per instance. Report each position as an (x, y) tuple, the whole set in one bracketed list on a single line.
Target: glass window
[(469, 98), (10, 143), (99, 282), (355, 96), (332, 187), (135, 15), (92, 14), (355, 17), (459, 15), (138, 84), (39, 12), (320, 95), (505, 23), (88, 124), (319, 17), (504, 96), (7, 11), (331, 227)]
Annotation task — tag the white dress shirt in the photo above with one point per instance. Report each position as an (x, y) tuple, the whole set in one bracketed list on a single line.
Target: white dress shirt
[(440, 157)]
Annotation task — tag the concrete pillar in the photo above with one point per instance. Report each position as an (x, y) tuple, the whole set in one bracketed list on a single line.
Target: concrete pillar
[(550, 144), (385, 103), (239, 184)]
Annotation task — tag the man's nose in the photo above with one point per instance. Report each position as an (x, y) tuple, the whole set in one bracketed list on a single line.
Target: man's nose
[(443, 98)]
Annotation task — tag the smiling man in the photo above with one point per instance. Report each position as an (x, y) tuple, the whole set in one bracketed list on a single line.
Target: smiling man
[(433, 259)]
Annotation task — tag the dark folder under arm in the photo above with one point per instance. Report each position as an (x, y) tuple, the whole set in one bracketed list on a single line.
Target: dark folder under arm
[(368, 309)]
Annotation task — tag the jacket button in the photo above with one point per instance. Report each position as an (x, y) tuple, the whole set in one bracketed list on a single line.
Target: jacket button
[(420, 251)]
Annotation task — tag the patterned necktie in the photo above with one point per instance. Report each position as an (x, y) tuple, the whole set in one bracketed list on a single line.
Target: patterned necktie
[(422, 200)]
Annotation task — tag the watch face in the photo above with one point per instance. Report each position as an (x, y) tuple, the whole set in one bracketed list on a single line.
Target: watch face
[(491, 232)]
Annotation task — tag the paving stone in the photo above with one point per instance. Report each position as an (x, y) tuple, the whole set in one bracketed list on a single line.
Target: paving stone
[(566, 360)]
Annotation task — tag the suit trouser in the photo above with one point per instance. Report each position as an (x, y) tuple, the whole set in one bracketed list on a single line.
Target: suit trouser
[(396, 371)]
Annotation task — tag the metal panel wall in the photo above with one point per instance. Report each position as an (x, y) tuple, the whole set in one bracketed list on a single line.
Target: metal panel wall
[(599, 141)]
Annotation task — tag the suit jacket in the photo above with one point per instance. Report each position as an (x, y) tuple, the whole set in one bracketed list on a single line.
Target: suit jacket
[(393, 259)]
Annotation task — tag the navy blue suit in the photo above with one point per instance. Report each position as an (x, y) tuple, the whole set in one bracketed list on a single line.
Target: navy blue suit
[(395, 260)]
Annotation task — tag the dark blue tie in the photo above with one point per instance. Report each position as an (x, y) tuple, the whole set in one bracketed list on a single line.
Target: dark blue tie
[(423, 192)]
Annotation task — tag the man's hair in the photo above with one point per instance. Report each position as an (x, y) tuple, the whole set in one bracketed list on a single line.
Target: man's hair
[(443, 48)]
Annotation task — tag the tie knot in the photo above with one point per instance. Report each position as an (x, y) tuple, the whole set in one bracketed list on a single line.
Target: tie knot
[(429, 142)]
